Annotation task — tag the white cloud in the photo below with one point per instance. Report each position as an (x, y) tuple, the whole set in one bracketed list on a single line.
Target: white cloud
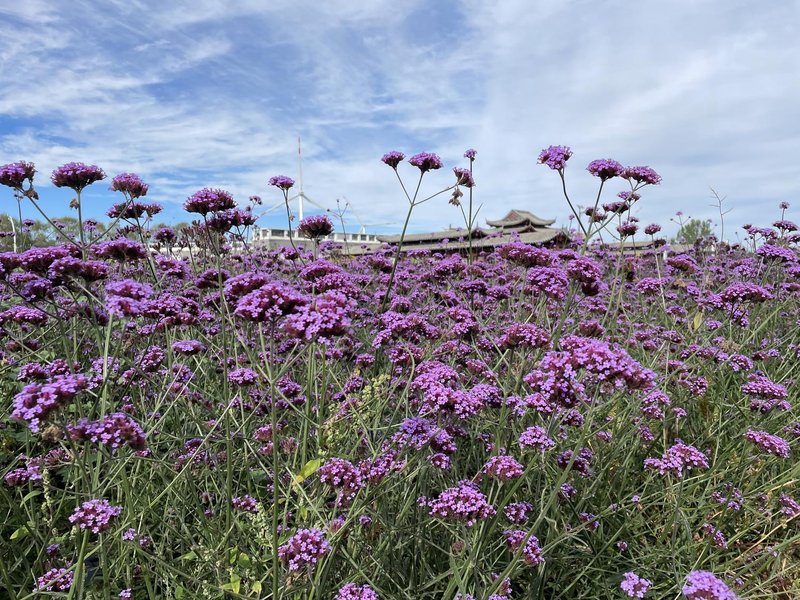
[(216, 94)]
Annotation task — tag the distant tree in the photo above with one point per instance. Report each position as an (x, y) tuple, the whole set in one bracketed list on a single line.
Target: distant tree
[(692, 231)]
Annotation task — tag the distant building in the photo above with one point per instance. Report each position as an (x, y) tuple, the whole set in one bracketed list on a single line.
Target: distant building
[(518, 225), (273, 238)]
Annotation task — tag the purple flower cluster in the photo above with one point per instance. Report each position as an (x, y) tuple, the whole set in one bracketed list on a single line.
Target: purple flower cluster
[(57, 579), (129, 184), (268, 303), (677, 459), (771, 444), (531, 551), (76, 175), (426, 161), (209, 200), (393, 158), (555, 157), (37, 401), (95, 515), (635, 586), (342, 476), (703, 585), (605, 168), (315, 227), (281, 181), (464, 503), (503, 468), (15, 174), (115, 431), (352, 591), (304, 549), (536, 437)]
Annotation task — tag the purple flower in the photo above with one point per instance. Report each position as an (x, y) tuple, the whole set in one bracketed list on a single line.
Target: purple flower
[(315, 227), (76, 176), (36, 400), (605, 168), (635, 586), (531, 551), (464, 177), (771, 444), (208, 200), (14, 175), (281, 181), (55, 580), (652, 229), (517, 512), (678, 458), (270, 301), (114, 430), (393, 158), (342, 476), (503, 468), (351, 591), (644, 175), (703, 585), (426, 161), (95, 515), (304, 549), (470, 154), (463, 503), (188, 347), (555, 157), (130, 184), (245, 503)]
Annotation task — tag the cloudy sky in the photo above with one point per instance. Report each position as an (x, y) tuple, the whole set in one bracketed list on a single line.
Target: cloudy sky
[(213, 93)]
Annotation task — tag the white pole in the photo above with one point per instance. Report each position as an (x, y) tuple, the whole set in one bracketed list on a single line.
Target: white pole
[(300, 166)]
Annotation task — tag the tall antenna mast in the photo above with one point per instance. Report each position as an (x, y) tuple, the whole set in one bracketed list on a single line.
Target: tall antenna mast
[(300, 167)]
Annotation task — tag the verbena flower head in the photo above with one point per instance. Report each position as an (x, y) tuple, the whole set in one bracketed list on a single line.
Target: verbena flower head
[(555, 157), (57, 579), (271, 301), (426, 161), (503, 468), (678, 458), (208, 200), (304, 549), (464, 177), (393, 158), (95, 515), (605, 168), (281, 181), (635, 586), (652, 229), (351, 591), (76, 175), (703, 585), (531, 551), (129, 183), (471, 154), (641, 175), (464, 503), (14, 175), (315, 227), (114, 430), (771, 444)]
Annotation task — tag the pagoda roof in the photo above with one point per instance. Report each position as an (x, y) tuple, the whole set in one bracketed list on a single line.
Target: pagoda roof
[(516, 218)]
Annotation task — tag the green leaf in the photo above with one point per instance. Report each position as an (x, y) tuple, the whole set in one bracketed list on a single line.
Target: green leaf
[(310, 468), (19, 533), (256, 587), (236, 582), (179, 592), (30, 495), (244, 560), (188, 556)]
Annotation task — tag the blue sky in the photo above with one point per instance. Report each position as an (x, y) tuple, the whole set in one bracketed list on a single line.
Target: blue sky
[(213, 93)]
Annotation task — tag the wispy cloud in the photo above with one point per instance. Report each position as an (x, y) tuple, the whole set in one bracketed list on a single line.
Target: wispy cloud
[(217, 94)]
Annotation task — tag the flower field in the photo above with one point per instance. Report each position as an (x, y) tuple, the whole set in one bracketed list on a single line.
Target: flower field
[(517, 422)]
